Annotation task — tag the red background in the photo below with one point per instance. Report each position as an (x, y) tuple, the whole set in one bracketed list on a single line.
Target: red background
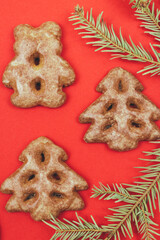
[(95, 162)]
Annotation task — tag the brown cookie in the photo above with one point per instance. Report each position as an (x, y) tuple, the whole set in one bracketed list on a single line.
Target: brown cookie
[(44, 184), (122, 116), (38, 72)]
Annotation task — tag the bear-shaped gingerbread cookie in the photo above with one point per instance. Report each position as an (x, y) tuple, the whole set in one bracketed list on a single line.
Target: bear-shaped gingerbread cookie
[(38, 72)]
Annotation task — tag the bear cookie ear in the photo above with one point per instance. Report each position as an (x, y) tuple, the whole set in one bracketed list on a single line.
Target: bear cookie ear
[(21, 30), (52, 28)]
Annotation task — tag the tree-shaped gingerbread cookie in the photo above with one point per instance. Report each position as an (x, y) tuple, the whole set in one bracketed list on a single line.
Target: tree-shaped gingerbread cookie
[(38, 72), (44, 184), (122, 116)]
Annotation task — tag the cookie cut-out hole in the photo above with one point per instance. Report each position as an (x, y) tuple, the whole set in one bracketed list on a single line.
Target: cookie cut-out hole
[(56, 194), (42, 157), (28, 177), (31, 177), (110, 107), (121, 85), (37, 85), (56, 176), (133, 104), (106, 127), (136, 124), (36, 60), (29, 196)]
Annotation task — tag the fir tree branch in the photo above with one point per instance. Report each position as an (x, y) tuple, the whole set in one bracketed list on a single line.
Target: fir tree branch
[(146, 225), (148, 191), (131, 209), (119, 193), (106, 40), (140, 4), (149, 18), (139, 199), (75, 229)]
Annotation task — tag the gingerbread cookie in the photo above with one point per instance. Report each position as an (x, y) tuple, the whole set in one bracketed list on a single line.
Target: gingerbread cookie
[(44, 184), (122, 116), (38, 72)]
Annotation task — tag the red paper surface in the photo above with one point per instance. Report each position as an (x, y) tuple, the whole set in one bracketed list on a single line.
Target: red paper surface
[(95, 162)]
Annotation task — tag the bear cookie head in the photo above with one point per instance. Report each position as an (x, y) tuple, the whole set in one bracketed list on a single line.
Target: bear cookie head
[(38, 72)]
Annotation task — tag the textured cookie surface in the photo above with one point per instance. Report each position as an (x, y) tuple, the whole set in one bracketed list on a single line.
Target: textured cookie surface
[(122, 116), (38, 72), (44, 184)]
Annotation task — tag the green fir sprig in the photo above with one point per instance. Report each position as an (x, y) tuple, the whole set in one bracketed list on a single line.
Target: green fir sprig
[(105, 39), (146, 12), (75, 229), (140, 4), (136, 204)]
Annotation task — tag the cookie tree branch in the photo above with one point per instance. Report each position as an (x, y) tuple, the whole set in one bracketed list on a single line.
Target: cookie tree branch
[(138, 204), (106, 40)]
